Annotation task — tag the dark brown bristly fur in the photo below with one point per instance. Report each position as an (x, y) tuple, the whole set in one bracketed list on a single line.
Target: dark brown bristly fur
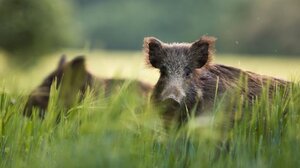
[(188, 78), (73, 78)]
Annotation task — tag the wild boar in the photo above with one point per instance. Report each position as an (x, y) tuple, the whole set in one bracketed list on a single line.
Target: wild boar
[(190, 80), (73, 78)]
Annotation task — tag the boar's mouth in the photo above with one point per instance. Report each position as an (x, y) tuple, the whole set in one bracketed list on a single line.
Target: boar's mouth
[(170, 104), (171, 109)]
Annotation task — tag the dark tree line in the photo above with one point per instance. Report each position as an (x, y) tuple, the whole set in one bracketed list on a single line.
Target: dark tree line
[(241, 26), (31, 28)]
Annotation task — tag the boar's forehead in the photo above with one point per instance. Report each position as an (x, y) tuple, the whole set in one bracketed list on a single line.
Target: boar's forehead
[(176, 57)]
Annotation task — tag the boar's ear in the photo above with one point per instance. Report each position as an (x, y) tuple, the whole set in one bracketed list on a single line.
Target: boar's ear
[(201, 51), (78, 63), (74, 80), (62, 61), (153, 51), (74, 72)]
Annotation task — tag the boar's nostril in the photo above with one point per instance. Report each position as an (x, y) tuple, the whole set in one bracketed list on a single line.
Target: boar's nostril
[(170, 102), (173, 93), (171, 98)]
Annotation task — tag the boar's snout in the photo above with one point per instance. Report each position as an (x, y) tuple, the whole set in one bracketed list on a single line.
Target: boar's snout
[(170, 104), (173, 93)]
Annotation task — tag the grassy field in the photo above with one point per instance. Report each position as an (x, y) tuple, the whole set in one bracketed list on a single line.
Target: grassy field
[(132, 65), (125, 131)]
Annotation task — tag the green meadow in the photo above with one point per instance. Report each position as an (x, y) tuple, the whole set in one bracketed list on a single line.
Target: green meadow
[(126, 131), (125, 64)]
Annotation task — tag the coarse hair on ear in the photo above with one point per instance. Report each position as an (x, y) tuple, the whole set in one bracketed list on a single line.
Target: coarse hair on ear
[(153, 50), (202, 50)]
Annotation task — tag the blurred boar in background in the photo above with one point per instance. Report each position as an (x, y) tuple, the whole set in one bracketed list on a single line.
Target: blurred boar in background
[(189, 80), (73, 78)]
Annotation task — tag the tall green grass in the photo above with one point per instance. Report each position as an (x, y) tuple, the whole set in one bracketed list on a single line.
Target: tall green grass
[(126, 131)]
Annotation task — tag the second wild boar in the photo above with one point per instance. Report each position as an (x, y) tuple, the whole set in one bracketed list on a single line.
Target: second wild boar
[(73, 78)]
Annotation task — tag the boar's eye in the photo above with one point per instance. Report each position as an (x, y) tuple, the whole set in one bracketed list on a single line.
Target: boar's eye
[(163, 70), (187, 71)]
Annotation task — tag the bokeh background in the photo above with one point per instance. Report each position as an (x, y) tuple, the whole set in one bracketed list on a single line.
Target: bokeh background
[(261, 36)]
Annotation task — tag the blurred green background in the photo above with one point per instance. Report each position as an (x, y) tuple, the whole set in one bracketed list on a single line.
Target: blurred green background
[(33, 28), (241, 26), (260, 36)]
